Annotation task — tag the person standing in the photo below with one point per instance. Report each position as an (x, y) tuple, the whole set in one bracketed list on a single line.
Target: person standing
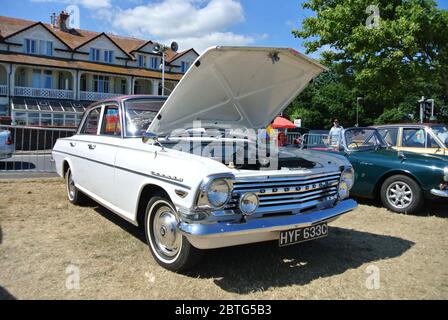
[(336, 133)]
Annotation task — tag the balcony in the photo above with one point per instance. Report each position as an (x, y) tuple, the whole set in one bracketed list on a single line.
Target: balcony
[(96, 96), (3, 90), (43, 93)]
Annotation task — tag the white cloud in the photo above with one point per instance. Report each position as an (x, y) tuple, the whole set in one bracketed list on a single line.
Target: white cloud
[(217, 38), (89, 4), (192, 23)]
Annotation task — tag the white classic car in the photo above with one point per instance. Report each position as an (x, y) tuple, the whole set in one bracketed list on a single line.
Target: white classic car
[(148, 159)]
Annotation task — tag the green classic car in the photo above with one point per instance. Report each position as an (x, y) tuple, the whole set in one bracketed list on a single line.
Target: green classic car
[(402, 180)]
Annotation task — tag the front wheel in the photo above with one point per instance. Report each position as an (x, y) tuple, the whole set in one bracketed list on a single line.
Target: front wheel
[(402, 194), (169, 247)]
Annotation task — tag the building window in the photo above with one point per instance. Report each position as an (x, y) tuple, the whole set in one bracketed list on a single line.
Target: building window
[(30, 46), (94, 54), (141, 61), (108, 56), (100, 84), (46, 47), (42, 47), (154, 63), (48, 79), (184, 66), (123, 86)]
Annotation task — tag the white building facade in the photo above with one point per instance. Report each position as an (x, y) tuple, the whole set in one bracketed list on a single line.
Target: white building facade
[(50, 73)]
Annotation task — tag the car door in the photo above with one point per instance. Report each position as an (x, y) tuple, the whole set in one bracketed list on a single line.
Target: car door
[(82, 164), (99, 151), (390, 135), (417, 140)]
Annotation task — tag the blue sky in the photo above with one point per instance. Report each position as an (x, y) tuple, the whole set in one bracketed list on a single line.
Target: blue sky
[(197, 23)]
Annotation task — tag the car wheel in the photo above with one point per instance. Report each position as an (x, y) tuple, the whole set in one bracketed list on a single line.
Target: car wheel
[(402, 194), (73, 194), (169, 247)]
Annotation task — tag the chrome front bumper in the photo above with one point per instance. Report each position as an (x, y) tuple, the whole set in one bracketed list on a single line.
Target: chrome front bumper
[(225, 234), (439, 193)]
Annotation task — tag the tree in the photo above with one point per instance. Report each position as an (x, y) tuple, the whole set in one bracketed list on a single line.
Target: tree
[(392, 64)]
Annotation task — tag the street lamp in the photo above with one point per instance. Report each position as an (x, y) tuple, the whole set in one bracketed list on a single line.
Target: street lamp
[(158, 48), (357, 111)]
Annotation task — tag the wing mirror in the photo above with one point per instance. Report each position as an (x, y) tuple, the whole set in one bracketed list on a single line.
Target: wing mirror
[(150, 137)]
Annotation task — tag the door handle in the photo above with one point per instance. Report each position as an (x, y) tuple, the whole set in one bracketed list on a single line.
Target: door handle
[(72, 144), (91, 146)]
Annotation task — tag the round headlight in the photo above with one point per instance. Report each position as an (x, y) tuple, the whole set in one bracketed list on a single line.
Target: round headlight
[(348, 176), (343, 191), (218, 193), (248, 203)]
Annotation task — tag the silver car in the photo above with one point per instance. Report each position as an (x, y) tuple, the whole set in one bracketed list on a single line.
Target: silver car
[(7, 146)]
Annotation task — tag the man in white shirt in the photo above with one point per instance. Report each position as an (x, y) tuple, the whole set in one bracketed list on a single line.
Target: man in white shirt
[(336, 133)]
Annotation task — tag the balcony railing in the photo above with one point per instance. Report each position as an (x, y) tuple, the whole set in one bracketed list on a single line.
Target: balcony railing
[(96, 96), (3, 90), (43, 93)]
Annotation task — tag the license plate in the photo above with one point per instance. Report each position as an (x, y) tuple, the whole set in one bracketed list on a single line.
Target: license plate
[(316, 231)]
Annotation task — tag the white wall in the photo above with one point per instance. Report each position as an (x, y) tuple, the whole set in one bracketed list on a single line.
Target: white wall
[(102, 43)]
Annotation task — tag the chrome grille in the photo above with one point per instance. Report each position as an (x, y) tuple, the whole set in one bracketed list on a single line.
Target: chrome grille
[(291, 194)]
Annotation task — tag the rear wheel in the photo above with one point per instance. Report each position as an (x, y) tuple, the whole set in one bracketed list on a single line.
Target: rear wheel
[(168, 246), (402, 194), (73, 194)]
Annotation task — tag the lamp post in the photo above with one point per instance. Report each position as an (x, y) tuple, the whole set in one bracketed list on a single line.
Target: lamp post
[(357, 111), (158, 48)]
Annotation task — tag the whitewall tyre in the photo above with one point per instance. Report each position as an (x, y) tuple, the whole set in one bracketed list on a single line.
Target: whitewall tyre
[(168, 246), (73, 194)]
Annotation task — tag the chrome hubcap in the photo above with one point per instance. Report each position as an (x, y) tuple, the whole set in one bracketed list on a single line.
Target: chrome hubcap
[(399, 195), (167, 237), (71, 186)]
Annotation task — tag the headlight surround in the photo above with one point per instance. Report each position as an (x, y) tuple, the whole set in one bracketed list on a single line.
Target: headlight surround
[(348, 176), (218, 192), (346, 183)]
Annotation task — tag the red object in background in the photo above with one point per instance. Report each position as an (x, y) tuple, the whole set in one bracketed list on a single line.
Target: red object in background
[(282, 139), (282, 123)]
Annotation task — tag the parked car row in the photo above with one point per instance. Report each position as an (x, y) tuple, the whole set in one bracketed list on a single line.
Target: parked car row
[(167, 165), (401, 179)]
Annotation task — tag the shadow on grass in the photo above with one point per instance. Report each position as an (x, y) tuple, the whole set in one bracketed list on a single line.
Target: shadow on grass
[(4, 294), (432, 207), (249, 268), (261, 266)]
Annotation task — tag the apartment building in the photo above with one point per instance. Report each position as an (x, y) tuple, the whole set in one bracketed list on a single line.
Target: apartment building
[(50, 73)]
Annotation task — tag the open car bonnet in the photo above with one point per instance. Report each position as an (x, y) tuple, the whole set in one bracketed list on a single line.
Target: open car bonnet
[(236, 87)]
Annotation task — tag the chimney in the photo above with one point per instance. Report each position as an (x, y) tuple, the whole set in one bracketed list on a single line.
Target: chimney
[(62, 21), (53, 20)]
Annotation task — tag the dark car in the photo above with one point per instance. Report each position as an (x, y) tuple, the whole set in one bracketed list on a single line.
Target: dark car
[(401, 179)]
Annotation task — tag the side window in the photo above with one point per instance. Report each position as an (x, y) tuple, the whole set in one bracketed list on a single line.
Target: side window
[(389, 135), (111, 121), (91, 123), (413, 138), (431, 142)]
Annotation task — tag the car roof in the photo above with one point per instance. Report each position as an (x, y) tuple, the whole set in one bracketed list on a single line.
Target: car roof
[(124, 98), (418, 125)]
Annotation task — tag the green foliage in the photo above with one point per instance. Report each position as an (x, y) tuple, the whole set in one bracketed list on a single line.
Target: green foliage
[(390, 66)]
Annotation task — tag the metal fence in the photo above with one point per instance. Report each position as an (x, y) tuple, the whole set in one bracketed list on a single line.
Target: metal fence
[(316, 140), (31, 148)]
